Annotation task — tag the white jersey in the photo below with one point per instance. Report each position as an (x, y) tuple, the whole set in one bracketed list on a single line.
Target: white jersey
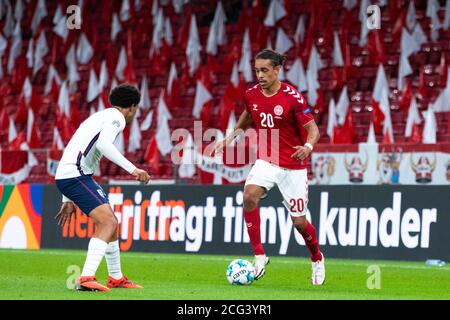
[(93, 139)]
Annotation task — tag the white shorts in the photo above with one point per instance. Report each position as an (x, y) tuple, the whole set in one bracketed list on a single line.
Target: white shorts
[(293, 184)]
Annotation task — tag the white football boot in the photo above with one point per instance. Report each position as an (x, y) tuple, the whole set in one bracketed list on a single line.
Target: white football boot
[(318, 272), (260, 263)]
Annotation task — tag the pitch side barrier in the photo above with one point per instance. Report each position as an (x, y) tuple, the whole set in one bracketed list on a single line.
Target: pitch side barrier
[(366, 222)]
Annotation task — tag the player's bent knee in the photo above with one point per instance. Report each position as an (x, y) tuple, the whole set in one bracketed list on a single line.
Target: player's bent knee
[(300, 223), (250, 201)]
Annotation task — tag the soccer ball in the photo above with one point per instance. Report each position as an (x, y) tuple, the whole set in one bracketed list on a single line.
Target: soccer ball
[(240, 272)]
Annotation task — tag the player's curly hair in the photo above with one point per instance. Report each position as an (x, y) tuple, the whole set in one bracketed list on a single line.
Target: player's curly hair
[(124, 96), (276, 58)]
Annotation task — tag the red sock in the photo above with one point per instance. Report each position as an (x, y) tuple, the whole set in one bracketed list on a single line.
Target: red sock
[(309, 234), (253, 223)]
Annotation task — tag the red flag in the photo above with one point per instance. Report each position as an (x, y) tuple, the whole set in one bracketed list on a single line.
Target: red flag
[(386, 137), (398, 26), (377, 117), (422, 83), (375, 47), (21, 114), (18, 141), (152, 156), (406, 97), (416, 135), (346, 133), (4, 121)]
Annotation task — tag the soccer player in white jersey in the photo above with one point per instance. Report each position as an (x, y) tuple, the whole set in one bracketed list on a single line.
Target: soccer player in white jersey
[(92, 140), (278, 110)]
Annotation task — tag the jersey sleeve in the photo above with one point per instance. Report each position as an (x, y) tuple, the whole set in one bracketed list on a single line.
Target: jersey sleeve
[(111, 128), (303, 112)]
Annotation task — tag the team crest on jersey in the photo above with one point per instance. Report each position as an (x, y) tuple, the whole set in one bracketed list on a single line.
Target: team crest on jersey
[(255, 107), (278, 110), (116, 123)]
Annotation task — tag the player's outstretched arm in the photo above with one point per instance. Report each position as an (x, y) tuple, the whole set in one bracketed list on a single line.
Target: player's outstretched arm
[(245, 120), (302, 152), (141, 175)]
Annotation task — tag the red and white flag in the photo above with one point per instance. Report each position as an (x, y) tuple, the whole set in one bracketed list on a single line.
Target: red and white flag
[(121, 64), (202, 96), (115, 27), (413, 118), (283, 43), (187, 167), (94, 89), (52, 75), (275, 12), (245, 65), (32, 132), (85, 52), (193, 47), (57, 144), (135, 139), (429, 128), (40, 52), (39, 14)]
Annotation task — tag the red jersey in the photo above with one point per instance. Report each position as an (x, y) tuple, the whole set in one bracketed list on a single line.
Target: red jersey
[(279, 121)]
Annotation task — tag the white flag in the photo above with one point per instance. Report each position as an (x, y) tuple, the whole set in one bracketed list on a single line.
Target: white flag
[(342, 106), (163, 139), (115, 27), (411, 16), (381, 83), (403, 71), (39, 14), (283, 43), (51, 74), (18, 11), (40, 52), (16, 48), (429, 129), (121, 64), (371, 139), (57, 140), (338, 61), (202, 96), (446, 24), (300, 30), (413, 117), (275, 12), (187, 166), (296, 75), (125, 10), (12, 131), (193, 47), (172, 77), (144, 104), (60, 28), (63, 100), (147, 123), (134, 143), (245, 64), (94, 89), (332, 119), (84, 50)]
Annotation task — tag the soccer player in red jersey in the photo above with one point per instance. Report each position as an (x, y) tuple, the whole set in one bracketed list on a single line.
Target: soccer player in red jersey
[(287, 134)]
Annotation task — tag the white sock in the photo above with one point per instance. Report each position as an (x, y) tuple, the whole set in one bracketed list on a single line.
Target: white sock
[(96, 251), (112, 257)]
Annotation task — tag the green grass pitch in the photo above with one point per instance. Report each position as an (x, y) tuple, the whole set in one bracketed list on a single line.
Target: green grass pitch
[(44, 274)]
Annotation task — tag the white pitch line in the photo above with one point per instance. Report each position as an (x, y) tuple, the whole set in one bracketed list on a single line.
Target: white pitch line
[(227, 258)]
